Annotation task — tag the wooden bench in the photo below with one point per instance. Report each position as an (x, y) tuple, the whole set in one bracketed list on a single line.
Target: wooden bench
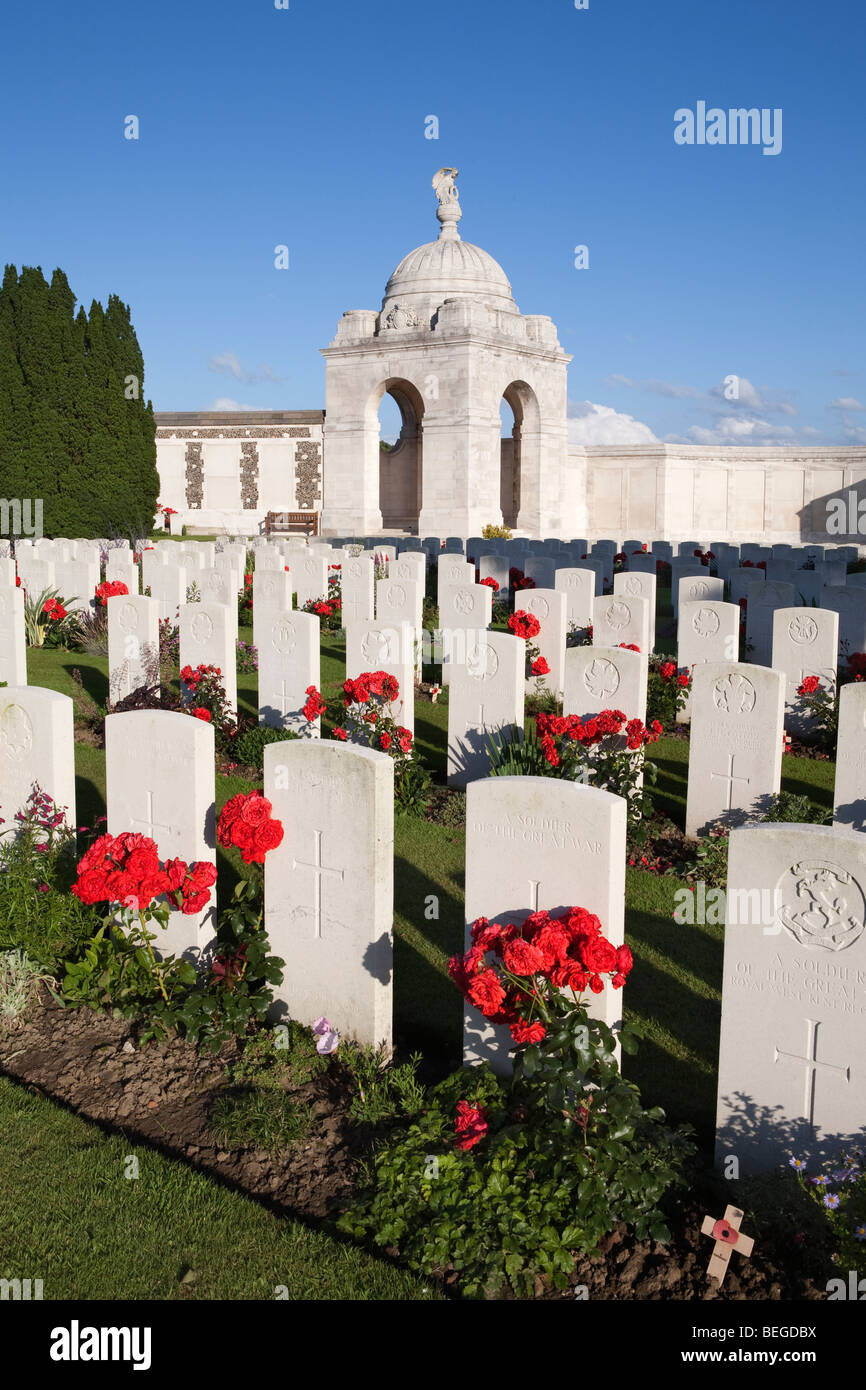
[(305, 523)]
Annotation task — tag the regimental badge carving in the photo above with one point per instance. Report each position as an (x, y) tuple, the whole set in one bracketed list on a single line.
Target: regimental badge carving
[(482, 663), (464, 601), (129, 618), (601, 678), (16, 733), (618, 616), (395, 596), (539, 607), (354, 571), (634, 587), (283, 637), (375, 649), (802, 629), (699, 589), (201, 628), (706, 622), (821, 905), (402, 318), (734, 694)]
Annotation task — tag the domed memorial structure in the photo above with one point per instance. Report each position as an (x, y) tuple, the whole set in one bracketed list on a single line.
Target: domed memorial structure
[(448, 344)]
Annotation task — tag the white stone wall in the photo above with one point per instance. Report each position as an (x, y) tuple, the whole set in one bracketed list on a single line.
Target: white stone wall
[(655, 492), (679, 492), (250, 464)]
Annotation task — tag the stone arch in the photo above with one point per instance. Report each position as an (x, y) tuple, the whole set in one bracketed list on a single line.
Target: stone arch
[(401, 467), (520, 456)]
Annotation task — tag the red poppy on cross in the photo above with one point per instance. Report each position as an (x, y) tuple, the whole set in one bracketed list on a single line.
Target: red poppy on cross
[(728, 1236)]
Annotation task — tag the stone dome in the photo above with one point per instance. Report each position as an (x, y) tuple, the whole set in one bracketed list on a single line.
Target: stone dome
[(445, 269), (448, 269)]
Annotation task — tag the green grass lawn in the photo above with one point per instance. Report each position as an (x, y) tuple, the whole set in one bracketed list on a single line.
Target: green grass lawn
[(74, 1220)]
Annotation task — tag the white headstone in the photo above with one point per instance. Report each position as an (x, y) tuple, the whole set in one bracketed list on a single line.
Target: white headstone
[(638, 584), (329, 885), (289, 658), (599, 678), (208, 637), (706, 631), (762, 604), (374, 647), (464, 613), (272, 593), (168, 586), (579, 587), (36, 748), (850, 604), (485, 695), (805, 642), (792, 1081), (159, 777), (849, 797), (617, 620), (537, 843), (310, 578), (13, 638), (692, 588), (133, 645), (548, 606), (735, 751), (357, 589)]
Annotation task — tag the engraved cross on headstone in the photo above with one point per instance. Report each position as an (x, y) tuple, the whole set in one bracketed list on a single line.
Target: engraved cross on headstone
[(730, 779), (149, 820), (318, 869), (812, 1066)]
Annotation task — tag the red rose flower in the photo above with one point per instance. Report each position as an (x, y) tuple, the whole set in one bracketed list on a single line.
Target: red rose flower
[(256, 809), (485, 992), (523, 1032), (540, 667), (202, 713), (522, 958), (470, 1125), (599, 956)]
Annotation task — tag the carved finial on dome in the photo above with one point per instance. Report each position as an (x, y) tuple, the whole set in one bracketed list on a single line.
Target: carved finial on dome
[(449, 211)]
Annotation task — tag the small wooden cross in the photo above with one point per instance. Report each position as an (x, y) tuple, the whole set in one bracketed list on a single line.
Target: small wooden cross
[(728, 1237)]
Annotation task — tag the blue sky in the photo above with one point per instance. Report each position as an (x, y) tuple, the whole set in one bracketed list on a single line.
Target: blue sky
[(306, 127)]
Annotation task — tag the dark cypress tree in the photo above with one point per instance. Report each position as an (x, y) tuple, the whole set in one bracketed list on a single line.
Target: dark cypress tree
[(74, 427)]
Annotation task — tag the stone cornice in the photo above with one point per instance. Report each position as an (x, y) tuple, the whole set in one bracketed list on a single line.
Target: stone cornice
[(364, 347)]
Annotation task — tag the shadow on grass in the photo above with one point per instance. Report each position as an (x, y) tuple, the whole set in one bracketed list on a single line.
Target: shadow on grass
[(93, 681), (428, 1009)]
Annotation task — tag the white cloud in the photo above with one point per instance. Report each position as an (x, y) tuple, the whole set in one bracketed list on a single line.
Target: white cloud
[(601, 424), (229, 364), (226, 403), (741, 429), (671, 389), (845, 403)]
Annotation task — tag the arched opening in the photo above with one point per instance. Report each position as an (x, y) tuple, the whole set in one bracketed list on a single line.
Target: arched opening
[(400, 408), (511, 415)]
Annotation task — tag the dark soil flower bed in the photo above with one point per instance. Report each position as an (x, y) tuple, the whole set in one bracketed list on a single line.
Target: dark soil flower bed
[(164, 1096)]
